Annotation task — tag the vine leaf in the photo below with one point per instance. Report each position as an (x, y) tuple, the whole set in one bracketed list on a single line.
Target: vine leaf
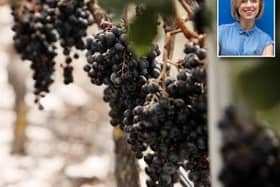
[(142, 32), (163, 7), (143, 29), (115, 7), (260, 86)]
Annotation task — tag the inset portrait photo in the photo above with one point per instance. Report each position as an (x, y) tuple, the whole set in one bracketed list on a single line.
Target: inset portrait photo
[(246, 28)]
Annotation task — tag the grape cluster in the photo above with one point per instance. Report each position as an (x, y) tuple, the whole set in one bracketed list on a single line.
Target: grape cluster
[(72, 20), (38, 26), (112, 63), (34, 40), (250, 152), (172, 123)]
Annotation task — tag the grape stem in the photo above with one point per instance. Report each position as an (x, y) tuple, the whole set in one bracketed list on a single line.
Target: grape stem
[(123, 65), (173, 64)]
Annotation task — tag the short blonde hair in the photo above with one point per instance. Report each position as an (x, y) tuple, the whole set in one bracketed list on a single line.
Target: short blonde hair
[(236, 3)]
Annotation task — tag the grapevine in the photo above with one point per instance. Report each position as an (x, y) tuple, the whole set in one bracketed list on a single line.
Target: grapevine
[(157, 102), (163, 114)]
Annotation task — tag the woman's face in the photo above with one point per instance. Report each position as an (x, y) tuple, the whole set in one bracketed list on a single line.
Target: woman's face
[(249, 9)]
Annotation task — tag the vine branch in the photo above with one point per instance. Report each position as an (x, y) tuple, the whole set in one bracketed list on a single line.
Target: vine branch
[(171, 30), (187, 8), (5, 2), (191, 35), (100, 16)]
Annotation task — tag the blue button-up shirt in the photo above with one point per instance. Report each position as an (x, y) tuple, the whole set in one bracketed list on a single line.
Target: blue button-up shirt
[(235, 41)]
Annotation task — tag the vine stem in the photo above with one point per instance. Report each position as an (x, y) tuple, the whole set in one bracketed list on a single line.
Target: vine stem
[(171, 30), (100, 16), (167, 52), (19, 7), (171, 63), (35, 6), (125, 17), (191, 35), (9, 2), (187, 8), (4, 2)]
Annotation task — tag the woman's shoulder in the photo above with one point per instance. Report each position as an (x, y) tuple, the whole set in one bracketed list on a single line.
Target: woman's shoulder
[(262, 34), (227, 27), (263, 37)]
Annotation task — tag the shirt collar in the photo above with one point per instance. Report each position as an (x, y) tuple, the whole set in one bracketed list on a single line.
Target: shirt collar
[(242, 31)]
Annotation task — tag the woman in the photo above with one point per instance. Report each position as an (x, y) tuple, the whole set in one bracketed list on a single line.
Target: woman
[(243, 37)]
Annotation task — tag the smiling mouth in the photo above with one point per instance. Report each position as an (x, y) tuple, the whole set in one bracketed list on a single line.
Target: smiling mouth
[(249, 11)]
